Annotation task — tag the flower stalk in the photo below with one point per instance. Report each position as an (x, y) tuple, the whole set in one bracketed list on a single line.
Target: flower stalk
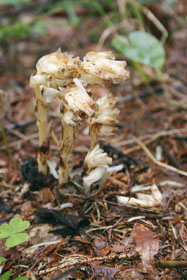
[(77, 105), (42, 128), (66, 146)]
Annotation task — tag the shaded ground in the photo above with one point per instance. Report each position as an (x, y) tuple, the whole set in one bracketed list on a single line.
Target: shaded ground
[(97, 237)]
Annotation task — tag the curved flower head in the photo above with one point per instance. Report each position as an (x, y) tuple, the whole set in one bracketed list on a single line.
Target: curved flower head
[(97, 175), (77, 100), (59, 65), (99, 67), (96, 163), (106, 113), (96, 158), (106, 130), (54, 71)]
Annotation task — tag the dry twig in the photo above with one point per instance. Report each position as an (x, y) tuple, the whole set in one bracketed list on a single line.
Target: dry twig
[(162, 164), (78, 260)]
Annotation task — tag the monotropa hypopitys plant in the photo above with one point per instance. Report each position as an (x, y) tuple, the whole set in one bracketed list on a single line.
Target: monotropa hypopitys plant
[(60, 75)]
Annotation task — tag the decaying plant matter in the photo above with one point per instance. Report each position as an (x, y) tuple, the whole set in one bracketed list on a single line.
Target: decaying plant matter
[(60, 75)]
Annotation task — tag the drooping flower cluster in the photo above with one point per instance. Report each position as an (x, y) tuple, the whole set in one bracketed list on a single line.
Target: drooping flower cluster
[(54, 71), (68, 78), (101, 67), (106, 116), (95, 164)]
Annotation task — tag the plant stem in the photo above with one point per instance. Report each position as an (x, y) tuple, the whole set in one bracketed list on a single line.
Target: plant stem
[(6, 145), (159, 74), (93, 135), (142, 73), (66, 145), (42, 127)]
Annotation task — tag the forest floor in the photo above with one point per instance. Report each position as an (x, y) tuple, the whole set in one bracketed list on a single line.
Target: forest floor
[(95, 236)]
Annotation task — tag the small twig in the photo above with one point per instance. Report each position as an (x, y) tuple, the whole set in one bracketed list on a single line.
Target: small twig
[(138, 147), (157, 23), (162, 164), (172, 264), (78, 260), (107, 32), (15, 124), (152, 136), (129, 98), (21, 141)]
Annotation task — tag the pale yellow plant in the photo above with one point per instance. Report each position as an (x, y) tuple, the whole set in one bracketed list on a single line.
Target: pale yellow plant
[(69, 79), (54, 71)]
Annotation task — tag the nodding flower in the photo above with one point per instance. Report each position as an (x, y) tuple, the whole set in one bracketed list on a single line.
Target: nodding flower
[(78, 100), (55, 71), (96, 163), (106, 113), (104, 119), (101, 67), (59, 65)]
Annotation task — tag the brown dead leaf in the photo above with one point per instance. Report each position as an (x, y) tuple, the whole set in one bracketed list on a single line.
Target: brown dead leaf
[(147, 244), (117, 248), (101, 247), (46, 195), (104, 272), (131, 273)]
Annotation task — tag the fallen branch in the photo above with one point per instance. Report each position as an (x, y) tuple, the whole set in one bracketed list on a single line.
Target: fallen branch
[(162, 164)]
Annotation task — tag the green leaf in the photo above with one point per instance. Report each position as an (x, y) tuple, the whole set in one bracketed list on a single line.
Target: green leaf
[(5, 231), (16, 239), (17, 225), (6, 275), (21, 278), (142, 47), (2, 260)]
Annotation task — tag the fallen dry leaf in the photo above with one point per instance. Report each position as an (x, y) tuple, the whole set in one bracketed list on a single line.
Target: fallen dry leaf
[(131, 273), (147, 244), (104, 272), (101, 247)]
